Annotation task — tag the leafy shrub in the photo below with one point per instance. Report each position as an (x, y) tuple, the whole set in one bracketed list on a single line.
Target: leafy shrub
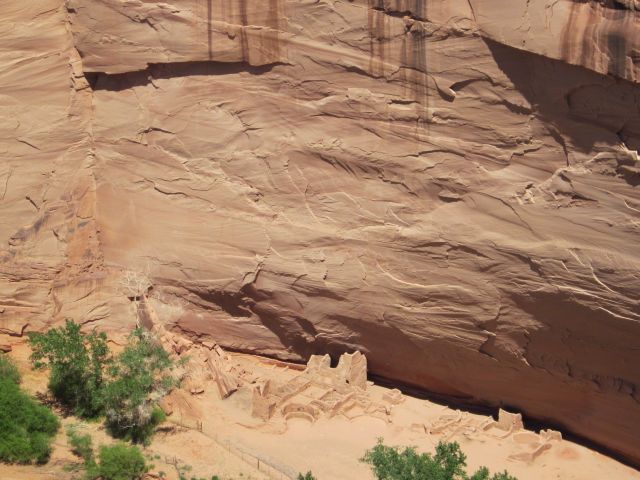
[(8, 369), (77, 364), (118, 462), (139, 377), (26, 427), (448, 463), (307, 476), (81, 445)]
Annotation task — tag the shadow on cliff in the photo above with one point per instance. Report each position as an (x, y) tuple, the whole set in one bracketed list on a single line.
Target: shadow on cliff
[(586, 109), (160, 71)]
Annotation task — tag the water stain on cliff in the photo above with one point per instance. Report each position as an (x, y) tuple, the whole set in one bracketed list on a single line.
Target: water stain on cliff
[(620, 40), (378, 26), (260, 31), (419, 9), (414, 68), (412, 63), (599, 36), (256, 28), (209, 30), (274, 21), (416, 9), (244, 21), (617, 44), (579, 36)]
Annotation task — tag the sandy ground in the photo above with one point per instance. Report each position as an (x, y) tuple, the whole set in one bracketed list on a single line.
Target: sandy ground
[(332, 447), (235, 445)]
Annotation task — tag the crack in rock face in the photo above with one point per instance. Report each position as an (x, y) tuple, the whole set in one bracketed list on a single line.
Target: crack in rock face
[(449, 187)]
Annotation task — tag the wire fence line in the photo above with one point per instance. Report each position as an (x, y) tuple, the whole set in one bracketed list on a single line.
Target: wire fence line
[(269, 468)]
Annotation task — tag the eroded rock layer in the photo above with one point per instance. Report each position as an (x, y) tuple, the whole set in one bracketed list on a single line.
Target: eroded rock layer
[(450, 187)]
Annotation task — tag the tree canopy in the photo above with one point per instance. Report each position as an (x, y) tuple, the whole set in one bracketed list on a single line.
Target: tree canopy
[(448, 463)]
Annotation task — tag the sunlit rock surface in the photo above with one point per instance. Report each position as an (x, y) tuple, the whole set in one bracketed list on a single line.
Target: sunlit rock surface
[(450, 187)]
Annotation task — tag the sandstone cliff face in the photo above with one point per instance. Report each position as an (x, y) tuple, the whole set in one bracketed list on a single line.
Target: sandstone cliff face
[(450, 187), (601, 35)]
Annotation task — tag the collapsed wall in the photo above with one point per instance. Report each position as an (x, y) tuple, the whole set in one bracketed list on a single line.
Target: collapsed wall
[(450, 187)]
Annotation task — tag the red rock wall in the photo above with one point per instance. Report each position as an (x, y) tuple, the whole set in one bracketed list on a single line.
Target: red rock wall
[(450, 187)]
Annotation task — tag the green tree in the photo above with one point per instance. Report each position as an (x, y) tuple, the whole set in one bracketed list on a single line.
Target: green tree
[(450, 460), (8, 369), (77, 363), (448, 463), (125, 388), (27, 428), (139, 377)]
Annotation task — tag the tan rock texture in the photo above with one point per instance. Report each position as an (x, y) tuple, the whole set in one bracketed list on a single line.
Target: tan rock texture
[(449, 187)]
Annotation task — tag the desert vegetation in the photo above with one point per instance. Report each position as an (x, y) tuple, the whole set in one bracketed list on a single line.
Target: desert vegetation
[(26, 427), (8, 370), (87, 379), (404, 463), (183, 474), (76, 363), (138, 377), (306, 476), (113, 462)]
